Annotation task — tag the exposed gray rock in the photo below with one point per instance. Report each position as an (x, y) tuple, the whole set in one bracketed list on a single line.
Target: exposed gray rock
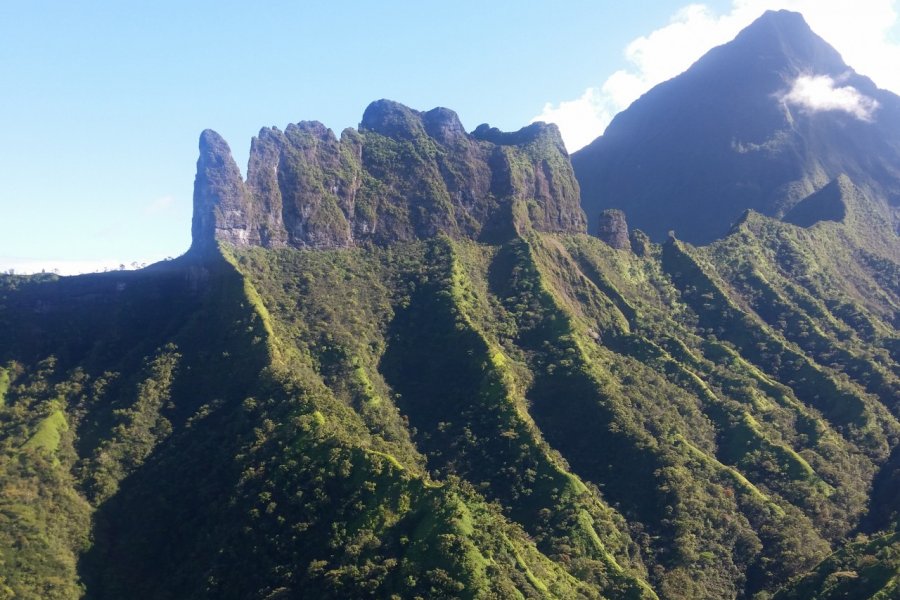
[(403, 175), (613, 229), (222, 209), (444, 125)]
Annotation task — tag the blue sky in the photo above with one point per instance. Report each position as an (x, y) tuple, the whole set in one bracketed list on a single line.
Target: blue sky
[(102, 102)]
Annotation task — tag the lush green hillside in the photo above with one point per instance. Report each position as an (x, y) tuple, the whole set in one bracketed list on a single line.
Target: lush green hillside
[(542, 417), (393, 365), (867, 569)]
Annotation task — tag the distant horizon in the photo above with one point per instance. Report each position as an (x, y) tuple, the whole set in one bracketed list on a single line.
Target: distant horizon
[(75, 267), (105, 105)]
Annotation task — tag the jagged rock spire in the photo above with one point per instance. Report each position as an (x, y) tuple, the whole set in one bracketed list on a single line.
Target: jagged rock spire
[(221, 204), (403, 175), (613, 229)]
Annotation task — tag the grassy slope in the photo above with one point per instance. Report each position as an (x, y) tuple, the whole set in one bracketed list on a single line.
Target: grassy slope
[(333, 509), (378, 355), (863, 569), (542, 417), (660, 403)]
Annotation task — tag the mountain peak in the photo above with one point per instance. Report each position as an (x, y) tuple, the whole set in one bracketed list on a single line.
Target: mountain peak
[(784, 25), (784, 19), (531, 133), (782, 39), (758, 123), (395, 120), (403, 175), (391, 119), (443, 124), (212, 144), (219, 196)]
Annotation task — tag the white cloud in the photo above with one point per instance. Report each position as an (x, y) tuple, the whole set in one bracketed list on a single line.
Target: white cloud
[(815, 93), (578, 119), (863, 32), (159, 205)]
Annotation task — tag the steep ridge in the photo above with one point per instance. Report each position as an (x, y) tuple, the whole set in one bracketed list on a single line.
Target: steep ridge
[(862, 570), (442, 406), (403, 175), (259, 469), (759, 123)]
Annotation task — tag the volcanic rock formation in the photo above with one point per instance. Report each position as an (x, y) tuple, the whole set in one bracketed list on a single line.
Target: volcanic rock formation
[(402, 175)]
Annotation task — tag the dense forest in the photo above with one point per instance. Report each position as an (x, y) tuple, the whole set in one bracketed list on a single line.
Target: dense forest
[(394, 364), (445, 418)]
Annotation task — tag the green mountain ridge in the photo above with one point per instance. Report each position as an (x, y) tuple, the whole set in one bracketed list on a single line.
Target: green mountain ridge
[(393, 364), (694, 422), (402, 175)]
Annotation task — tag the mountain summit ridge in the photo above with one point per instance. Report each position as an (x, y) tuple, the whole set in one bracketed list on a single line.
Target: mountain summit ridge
[(402, 175), (761, 122), (393, 365)]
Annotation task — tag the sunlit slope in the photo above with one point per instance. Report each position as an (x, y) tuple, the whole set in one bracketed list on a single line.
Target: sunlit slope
[(736, 452), (248, 475), (541, 417)]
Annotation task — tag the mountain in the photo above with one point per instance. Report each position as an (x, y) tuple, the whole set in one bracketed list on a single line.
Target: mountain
[(763, 122), (403, 175), (394, 365)]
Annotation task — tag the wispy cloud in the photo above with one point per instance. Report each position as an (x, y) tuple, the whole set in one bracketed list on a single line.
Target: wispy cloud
[(816, 93), (158, 205), (863, 32)]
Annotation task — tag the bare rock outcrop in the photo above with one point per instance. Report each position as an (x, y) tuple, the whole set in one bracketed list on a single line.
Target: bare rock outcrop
[(613, 229), (402, 175)]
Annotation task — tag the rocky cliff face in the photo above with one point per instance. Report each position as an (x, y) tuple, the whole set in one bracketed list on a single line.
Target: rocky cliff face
[(613, 229), (221, 201), (402, 175)]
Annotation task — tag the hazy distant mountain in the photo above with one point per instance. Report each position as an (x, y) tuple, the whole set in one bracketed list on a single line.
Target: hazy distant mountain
[(759, 123)]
